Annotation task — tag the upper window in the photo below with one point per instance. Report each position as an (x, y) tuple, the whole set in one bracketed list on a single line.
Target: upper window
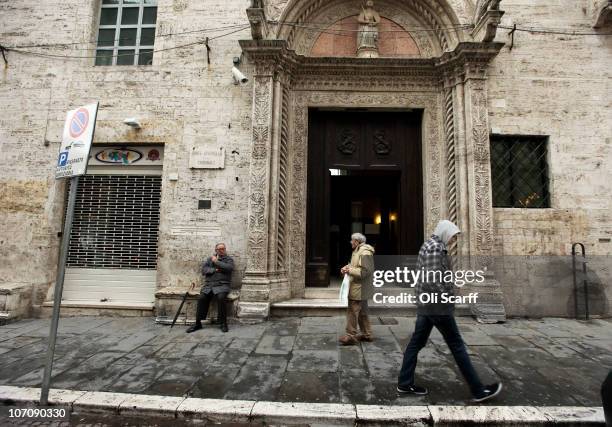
[(519, 171), (127, 32)]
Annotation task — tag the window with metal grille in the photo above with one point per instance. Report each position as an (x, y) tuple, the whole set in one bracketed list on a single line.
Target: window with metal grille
[(127, 32), (116, 222), (519, 171)]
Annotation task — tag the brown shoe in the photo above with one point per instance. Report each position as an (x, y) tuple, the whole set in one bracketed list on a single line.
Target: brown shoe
[(347, 340), (367, 338)]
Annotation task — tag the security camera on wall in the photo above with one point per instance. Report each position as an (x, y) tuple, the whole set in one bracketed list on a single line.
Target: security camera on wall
[(238, 76)]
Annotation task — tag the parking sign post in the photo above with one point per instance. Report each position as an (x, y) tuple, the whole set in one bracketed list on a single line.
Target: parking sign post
[(59, 287), (72, 163)]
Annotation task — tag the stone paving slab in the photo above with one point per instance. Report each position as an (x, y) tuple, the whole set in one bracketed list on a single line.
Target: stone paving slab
[(545, 362)]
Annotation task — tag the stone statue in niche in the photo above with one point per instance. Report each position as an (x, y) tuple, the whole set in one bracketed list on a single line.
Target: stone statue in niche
[(367, 38)]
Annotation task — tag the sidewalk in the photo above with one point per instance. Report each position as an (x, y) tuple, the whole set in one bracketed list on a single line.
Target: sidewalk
[(549, 362)]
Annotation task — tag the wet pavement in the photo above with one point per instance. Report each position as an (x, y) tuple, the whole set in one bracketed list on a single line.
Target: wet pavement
[(546, 362)]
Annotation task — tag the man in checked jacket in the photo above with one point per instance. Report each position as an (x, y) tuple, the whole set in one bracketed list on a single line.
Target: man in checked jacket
[(433, 259)]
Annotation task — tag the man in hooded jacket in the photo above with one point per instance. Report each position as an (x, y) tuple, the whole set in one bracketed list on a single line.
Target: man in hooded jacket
[(360, 271), (433, 258)]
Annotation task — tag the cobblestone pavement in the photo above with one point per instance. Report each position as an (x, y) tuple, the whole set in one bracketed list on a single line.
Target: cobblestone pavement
[(541, 362)]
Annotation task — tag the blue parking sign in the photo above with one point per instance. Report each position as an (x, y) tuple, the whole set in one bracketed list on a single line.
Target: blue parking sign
[(63, 158)]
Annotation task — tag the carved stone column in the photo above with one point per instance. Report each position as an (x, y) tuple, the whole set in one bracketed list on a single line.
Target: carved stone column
[(465, 77), (265, 279), (490, 306)]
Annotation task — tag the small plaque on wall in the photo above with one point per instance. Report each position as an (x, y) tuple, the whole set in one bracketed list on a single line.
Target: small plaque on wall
[(202, 157)]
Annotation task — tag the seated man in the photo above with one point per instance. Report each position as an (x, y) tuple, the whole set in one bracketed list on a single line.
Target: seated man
[(217, 272)]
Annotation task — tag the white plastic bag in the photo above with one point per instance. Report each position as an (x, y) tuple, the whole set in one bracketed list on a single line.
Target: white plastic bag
[(344, 290)]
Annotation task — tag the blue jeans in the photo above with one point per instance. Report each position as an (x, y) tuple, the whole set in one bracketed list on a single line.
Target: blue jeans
[(448, 328)]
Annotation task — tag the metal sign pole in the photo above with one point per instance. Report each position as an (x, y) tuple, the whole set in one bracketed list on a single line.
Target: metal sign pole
[(59, 286)]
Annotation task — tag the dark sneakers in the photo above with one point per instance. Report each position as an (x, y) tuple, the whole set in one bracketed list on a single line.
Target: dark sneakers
[(413, 389), (194, 328), (224, 327), (489, 392)]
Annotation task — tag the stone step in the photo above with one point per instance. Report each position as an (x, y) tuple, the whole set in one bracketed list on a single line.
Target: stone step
[(318, 293), (333, 292), (323, 307), (72, 308)]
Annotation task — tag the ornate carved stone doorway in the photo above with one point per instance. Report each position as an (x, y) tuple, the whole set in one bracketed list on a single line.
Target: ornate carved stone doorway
[(449, 88)]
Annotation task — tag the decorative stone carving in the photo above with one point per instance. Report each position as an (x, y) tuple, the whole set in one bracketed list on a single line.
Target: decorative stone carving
[(258, 185), (483, 6), (283, 183), (407, 16), (451, 181), (486, 19), (260, 136), (347, 82), (382, 147), (490, 308), (602, 15), (257, 18), (367, 38), (480, 137), (432, 141), (346, 144)]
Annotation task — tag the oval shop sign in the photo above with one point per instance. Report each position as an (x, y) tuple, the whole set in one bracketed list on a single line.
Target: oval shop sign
[(124, 156)]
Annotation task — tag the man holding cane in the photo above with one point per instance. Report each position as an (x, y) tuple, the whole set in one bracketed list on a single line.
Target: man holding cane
[(217, 272)]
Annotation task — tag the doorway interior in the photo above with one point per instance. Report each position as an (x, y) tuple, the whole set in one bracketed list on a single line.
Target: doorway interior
[(364, 175)]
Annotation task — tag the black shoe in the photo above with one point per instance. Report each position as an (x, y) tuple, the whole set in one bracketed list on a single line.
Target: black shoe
[(489, 392), (413, 389), (224, 327), (194, 328)]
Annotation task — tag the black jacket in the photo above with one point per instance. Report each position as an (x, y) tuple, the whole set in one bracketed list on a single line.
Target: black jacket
[(217, 275)]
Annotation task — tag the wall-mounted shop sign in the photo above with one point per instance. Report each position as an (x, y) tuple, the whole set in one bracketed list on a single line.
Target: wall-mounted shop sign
[(206, 157), (127, 156)]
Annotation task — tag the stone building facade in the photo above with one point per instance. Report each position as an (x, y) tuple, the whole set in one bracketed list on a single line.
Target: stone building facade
[(455, 61)]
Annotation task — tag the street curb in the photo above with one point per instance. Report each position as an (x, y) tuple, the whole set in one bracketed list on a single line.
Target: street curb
[(293, 413)]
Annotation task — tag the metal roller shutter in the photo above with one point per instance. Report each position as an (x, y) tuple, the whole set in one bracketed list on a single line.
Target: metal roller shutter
[(112, 255)]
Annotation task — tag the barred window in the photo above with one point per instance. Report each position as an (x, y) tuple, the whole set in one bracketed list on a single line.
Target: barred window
[(127, 32), (519, 171)]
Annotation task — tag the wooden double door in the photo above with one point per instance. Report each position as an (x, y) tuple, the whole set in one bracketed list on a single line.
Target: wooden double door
[(364, 175)]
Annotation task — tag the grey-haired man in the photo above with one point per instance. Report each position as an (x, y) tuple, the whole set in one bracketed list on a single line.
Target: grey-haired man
[(360, 271), (217, 271)]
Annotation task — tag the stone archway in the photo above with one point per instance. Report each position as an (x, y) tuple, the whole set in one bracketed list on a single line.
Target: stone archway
[(450, 86)]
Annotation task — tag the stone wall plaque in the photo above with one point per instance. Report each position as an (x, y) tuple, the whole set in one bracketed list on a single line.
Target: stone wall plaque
[(207, 157)]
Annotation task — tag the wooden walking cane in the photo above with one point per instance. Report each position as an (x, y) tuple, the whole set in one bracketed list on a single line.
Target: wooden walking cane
[(181, 306)]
